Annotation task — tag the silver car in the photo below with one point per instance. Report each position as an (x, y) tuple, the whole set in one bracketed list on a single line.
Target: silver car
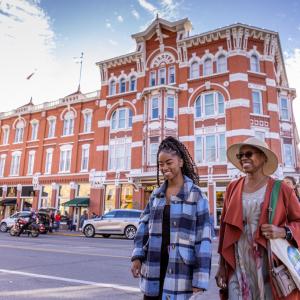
[(7, 223), (118, 221)]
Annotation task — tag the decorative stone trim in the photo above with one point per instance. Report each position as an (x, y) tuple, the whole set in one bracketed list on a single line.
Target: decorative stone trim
[(257, 86), (273, 107), (137, 118), (186, 110), (137, 144), (102, 148), (104, 123), (237, 103), (238, 77), (187, 138), (270, 82)]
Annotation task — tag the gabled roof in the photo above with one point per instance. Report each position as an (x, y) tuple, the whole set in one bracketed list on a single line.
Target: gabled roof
[(180, 25)]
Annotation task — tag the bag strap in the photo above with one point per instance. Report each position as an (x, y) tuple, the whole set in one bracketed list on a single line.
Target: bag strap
[(272, 209), (274, 199)]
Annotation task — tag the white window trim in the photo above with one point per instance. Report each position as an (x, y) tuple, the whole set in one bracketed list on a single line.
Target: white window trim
[(67, 118), (158, 106), (5, 128), (2, 169), (120, 80), (30, 165), (50, 120), (150, 78), (159, 75), (34, 134), (48, 151), (217, 63), (169, 75), (288, 108), (85, 113), (119, 141), (85, 147), (261, 102), (13, 155), (212, 66), (292, 152), (116, 112), (198, 69), (166, 107), (135, 84), (150, 163)]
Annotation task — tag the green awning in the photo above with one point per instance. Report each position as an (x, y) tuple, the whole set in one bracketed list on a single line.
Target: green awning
[(8, 202), (78, 202)]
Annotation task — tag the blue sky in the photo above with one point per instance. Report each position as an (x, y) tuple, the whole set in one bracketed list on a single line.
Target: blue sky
[(44, 37)]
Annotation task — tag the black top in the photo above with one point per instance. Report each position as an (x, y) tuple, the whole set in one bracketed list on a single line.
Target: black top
[(165, 231)]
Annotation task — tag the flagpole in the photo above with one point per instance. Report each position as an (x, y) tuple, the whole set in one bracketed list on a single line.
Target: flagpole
[(81, 58)]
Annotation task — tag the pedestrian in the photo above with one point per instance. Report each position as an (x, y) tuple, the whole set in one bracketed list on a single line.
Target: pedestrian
[(172, 248), (244, 271), (82, 218), (57, 219), (291, 181), (94, 215)]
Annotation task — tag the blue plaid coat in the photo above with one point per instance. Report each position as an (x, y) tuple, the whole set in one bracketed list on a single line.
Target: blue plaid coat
[(190, 243)]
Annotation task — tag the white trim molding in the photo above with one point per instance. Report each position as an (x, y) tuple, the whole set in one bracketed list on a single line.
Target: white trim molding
[(102, 103), (270, 82), (102, 148), (237, 132), (187, 138), (137, 118), (137, 144), (257, 86), (105, 123), (238, 77), (273, 107), (186, 110), (237, 103)]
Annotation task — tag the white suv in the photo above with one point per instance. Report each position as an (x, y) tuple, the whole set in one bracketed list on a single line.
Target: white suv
[(7, 223)]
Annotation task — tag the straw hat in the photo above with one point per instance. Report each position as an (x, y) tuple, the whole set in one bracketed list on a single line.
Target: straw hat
[(270, 165)]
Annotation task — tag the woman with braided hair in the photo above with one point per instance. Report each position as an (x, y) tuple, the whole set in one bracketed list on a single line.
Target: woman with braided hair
[(172, 253)]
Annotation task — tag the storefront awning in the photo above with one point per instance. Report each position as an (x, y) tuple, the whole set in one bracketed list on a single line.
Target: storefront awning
[(78, 202), (8, 202)]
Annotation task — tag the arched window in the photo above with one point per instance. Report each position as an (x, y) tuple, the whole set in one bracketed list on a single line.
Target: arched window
[(207, 67), (19, 132), (122, 85), (194, 70), (254, 63), (121, 119), (198, 107), (221, 64), (132, 83), (68, 128), (112, 88)]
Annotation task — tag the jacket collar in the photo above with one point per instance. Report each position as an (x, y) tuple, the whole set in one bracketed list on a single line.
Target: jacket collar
[(183, 194)]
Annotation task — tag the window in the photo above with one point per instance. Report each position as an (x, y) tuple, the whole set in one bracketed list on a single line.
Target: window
[(121, 119), (122, 85), (132, 83), (210, 148), (19, 132), (221, 109), (85, 157), (198, 107), (221, 64), (154, 109), (257, 102), (120, 154), (65, 159), (207, 67), (152, 78), (48, 163), (222, 147), (68, 123), (153, 153), (254, 63), (34, 131), (171, 74), (288, 155), (51, 127), (5, 135), (162, 76), (2, 164), (15, 163), (87, 126), (194, 71), (199, 149), (170, 107), (209, 104), (30, 162), (112, 88), (284, 110), (209, 108)]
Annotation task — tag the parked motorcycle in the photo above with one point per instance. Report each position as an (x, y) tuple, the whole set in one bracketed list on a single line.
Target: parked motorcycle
[(32, 229)]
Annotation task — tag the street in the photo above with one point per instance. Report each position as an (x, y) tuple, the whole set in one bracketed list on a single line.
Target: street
[(71, 267)]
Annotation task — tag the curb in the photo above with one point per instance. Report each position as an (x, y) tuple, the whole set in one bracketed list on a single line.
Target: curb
[(68, 234)]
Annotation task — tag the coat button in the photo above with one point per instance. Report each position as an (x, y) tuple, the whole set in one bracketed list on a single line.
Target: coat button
[(170, 271), (174, 223)]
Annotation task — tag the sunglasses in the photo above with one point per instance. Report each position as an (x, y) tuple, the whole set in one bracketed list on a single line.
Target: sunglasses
[(247, 154)]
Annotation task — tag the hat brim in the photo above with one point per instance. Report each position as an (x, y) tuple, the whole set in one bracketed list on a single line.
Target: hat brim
[(269, 167)]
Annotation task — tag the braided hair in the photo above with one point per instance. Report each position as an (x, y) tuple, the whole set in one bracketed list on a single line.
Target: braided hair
[(172, 145)]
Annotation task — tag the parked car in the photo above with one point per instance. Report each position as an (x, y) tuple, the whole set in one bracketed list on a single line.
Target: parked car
[(7, 223), (116, 222)]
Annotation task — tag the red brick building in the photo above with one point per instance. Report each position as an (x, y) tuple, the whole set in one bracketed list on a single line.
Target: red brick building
[(98, 151)]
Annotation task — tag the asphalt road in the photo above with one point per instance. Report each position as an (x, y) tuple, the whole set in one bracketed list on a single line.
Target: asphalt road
[(70, 267)]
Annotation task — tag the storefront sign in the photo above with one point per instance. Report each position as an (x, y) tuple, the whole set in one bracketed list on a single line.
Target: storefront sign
[(150, 188)]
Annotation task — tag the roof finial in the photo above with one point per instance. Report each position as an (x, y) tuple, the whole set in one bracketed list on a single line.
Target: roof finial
[(157, 16)]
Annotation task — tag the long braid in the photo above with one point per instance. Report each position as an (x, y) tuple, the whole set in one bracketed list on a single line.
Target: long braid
[(170, 144)]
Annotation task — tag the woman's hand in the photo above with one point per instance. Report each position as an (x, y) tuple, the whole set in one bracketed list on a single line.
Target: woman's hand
[(270, 231), (136, 268), (221, 277)]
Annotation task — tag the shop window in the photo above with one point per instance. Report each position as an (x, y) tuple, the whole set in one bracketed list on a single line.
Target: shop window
[(126, 196), (63, 197), (110, 198), (84, 190), (219, 206), (46, 195)]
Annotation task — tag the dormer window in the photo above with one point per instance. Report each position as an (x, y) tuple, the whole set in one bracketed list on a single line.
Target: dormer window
[(122, 85), (254, 63)]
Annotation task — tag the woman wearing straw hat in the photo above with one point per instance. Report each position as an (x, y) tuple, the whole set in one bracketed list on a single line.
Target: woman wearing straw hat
[(243, 270)]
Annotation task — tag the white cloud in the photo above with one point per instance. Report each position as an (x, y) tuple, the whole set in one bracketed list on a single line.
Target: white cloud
[(292, 63), (166, 9), (108, 25), (28, 42), (135, 14), (120, 19)]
